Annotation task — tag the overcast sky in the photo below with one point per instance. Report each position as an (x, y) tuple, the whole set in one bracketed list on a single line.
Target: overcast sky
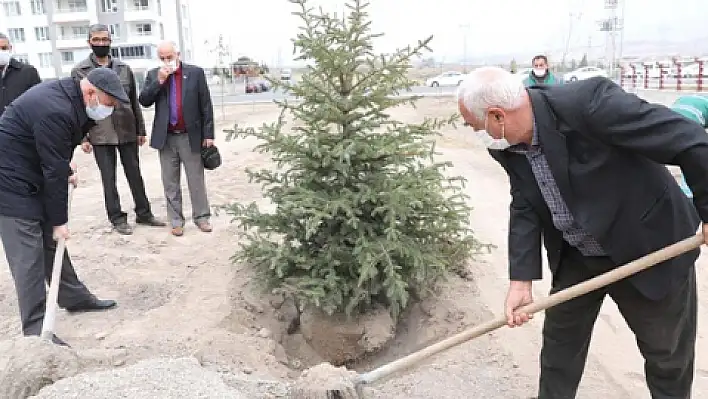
[(261, 29)]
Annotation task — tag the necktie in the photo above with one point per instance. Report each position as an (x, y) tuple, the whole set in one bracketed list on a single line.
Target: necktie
[(173, 100)]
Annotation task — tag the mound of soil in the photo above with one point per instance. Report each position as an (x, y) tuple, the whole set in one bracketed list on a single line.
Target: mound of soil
[(28, 364)]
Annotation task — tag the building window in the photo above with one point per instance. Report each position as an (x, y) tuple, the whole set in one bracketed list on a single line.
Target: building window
[(80, 32), (162, 31), (143, 29), (109, 5), (115, 53), (136, 52), (17, 35), (67, 57), (12, 8), (114, 30), (41, 33), (141, 4), (74, 6), (21, 57), (38, 7), (45, 60)]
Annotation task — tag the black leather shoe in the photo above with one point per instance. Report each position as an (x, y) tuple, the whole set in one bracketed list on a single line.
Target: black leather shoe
[(152, 221), (123, 228), (92, 305)]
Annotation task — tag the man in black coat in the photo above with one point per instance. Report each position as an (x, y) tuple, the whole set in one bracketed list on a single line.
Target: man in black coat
[(183, 124), (38, 134), (15, 77), (586, 168)]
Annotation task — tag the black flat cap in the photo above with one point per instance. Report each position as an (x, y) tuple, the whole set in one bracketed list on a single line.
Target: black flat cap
[(108, 82)]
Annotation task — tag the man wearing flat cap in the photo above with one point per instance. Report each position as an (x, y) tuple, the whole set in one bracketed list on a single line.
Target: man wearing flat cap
[(38, 134)]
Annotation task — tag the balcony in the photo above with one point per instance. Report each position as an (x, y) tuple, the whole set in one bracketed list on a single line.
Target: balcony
[(70, 11), (71, 41), (140, 10)]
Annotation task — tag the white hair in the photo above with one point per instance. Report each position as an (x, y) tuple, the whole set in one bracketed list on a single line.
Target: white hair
[(490, 87), (169, 43)]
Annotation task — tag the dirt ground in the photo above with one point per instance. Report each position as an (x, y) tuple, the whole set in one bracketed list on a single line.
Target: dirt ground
[(181, 296)]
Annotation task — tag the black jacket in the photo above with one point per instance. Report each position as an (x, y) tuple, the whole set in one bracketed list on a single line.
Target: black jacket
[(607, 150), (197, 110), (38, 134), (126, 123), (17, 79)]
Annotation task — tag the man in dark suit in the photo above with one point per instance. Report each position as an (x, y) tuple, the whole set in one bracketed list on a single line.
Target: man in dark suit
[(586, 168), (182, 125), (15, 77)]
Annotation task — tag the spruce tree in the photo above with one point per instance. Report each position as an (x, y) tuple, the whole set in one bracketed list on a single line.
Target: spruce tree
[(362, 214)]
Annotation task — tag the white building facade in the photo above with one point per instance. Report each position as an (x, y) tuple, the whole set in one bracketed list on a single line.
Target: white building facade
[(52, 34)]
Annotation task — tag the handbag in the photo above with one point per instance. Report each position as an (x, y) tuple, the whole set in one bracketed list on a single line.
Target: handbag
[(211, 157)]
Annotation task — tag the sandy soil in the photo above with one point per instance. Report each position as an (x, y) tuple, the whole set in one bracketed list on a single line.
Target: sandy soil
[(183, 297)]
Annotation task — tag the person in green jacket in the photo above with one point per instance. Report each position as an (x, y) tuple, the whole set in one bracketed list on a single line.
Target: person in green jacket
[(540, 73), (695, 108)]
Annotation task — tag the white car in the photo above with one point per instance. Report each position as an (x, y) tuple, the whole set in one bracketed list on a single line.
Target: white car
[(584, 73), (523, 73), (446, 79)]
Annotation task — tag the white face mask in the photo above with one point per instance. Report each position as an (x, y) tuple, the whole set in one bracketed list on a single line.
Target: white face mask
[(489, 141), (169, 64), (5, 56), (539, 72), (99, 111)]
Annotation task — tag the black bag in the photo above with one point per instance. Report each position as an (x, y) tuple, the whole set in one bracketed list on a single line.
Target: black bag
[(211, 157)]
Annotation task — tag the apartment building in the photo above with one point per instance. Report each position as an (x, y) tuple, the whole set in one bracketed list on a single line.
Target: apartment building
[(52, 34)]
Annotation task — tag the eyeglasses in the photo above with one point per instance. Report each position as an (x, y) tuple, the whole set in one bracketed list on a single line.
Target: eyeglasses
[(100, 40)]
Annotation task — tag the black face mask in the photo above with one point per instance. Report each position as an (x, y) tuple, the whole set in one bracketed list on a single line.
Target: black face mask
[(101, 51)]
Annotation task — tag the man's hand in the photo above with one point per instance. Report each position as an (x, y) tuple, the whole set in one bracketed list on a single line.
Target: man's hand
[(74, 179), (86, 147), (519, 295), (705, 233), (207, 143), (141, 140), (163, 73), (59, 232)]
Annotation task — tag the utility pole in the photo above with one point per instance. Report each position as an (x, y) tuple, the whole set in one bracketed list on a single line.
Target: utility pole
[(222, 51), (572, 18), (611, 26)]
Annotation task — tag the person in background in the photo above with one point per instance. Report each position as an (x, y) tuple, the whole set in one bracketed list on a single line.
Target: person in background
[(695, 108), (38, 134), (540, 73), (15, 77), (183, 124), (121, 133)]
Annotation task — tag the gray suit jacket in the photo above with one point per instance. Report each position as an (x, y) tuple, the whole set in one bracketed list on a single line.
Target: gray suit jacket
[(197, 108)]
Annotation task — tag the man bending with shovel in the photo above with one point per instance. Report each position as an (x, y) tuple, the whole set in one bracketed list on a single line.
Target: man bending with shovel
[(586, 168), (38, 134)]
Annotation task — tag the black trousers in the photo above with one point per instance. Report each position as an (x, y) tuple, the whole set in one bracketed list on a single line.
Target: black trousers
[(106, 160), (665, 330)]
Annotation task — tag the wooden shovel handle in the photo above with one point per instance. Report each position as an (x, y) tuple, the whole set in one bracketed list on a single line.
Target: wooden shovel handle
[(559, 297)]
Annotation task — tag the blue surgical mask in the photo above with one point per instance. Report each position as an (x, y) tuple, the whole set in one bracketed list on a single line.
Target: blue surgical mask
[(99, 111)]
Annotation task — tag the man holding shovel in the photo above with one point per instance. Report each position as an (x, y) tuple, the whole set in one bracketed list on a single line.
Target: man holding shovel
[(38, 134), (586, 168)]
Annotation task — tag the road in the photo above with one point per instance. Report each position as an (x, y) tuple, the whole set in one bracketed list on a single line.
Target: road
[(242, 98)]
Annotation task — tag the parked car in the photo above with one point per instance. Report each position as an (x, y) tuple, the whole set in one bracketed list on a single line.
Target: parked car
[(253, 86), (286, 74), (451, 78), (257, 85), (523, 73), (584, 73)]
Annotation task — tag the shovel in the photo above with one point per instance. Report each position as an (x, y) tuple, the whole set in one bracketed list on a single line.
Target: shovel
[(559, 297), (50, 312)]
